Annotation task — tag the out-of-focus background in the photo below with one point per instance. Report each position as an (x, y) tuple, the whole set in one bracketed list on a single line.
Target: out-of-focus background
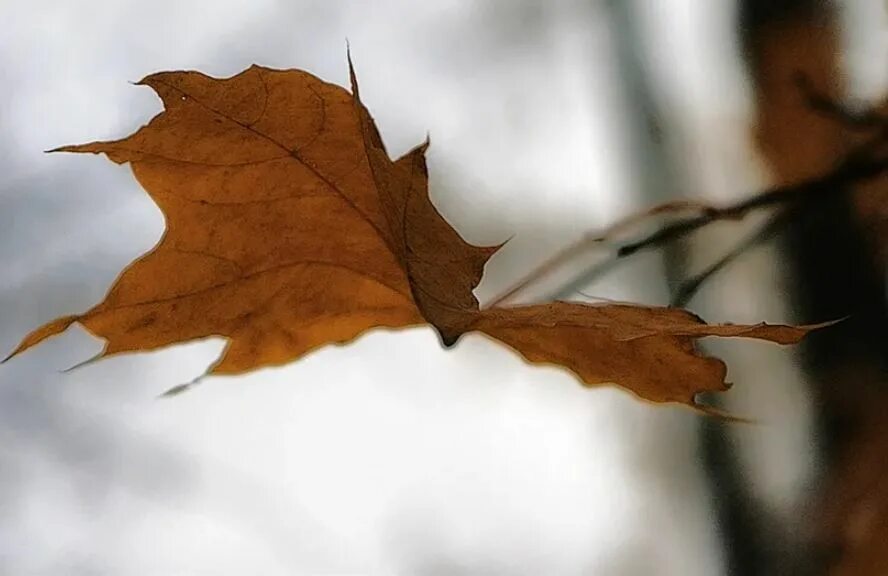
[(548, 119)]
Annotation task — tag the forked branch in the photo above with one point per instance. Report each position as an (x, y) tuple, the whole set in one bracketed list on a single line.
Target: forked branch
[(865, 161)]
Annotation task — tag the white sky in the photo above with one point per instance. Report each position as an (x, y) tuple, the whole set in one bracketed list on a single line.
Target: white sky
[(389, 456)]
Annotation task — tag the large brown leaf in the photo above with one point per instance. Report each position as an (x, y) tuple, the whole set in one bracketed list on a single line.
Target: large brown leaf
[(288, 228)]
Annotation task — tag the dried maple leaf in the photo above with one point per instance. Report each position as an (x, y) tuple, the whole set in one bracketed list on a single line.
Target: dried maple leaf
[(288, 228), (647, 350)]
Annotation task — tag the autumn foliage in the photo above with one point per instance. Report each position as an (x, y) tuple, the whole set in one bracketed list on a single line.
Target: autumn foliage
[(289, 228)]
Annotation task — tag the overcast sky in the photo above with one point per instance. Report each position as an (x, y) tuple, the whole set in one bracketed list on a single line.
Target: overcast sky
[(391, 455)]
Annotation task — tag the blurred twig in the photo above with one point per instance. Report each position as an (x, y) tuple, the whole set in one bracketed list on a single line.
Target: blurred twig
[(864, 161), (689, 287), (829, 108)]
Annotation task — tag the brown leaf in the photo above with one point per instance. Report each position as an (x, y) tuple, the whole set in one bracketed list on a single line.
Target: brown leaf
[(288, 228), (648, 350)]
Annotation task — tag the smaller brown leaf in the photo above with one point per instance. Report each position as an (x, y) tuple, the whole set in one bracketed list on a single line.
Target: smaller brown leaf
[(649, 351)]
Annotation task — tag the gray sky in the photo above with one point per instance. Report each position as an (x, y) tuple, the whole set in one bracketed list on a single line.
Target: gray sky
[(389, 456)]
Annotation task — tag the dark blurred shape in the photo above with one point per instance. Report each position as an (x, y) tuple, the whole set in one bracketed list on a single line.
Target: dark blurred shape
[(834, 274)]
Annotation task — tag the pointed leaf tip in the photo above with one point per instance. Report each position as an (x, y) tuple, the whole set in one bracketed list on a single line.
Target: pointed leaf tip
[(37, 336), (720, 414), (83, 364), (177, 390), (353, 77)]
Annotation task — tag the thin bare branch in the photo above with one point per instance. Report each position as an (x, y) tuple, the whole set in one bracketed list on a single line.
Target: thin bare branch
[(689, 288), (828, 107), (865, 161)]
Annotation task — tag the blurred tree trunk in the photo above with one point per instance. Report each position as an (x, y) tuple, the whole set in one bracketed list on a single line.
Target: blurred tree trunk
[(835, 274)]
